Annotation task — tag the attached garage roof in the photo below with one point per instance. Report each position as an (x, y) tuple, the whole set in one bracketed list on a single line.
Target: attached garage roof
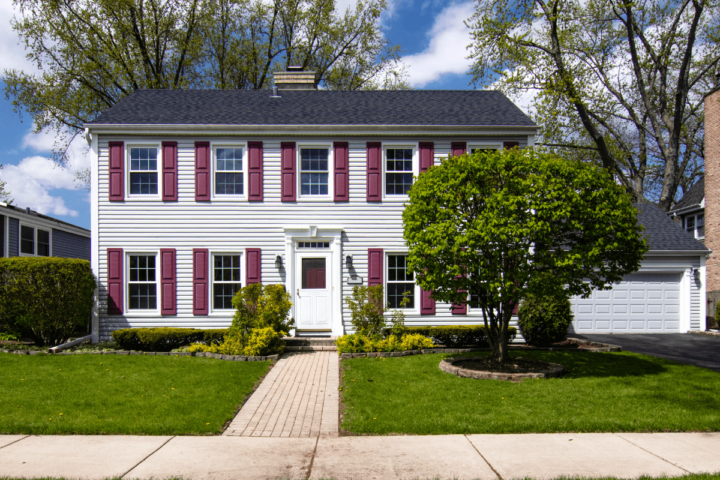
[(315, 107), (663, 234)]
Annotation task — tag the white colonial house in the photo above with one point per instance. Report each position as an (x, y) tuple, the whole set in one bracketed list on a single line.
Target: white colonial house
[(196, 193)]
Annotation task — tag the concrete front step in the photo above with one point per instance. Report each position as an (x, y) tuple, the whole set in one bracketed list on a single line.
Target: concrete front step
[(311, 348)]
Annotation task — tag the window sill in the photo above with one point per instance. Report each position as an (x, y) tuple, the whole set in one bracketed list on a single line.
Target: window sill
[(315, 198)]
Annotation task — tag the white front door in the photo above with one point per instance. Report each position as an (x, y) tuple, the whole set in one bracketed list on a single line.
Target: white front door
[(313, 295)]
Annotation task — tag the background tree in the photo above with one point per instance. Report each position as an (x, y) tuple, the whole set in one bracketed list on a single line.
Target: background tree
[(92, 53), (619, 83), (483, 226), (4, 194)]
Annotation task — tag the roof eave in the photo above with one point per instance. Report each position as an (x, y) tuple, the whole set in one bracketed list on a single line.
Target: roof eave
[(668, 253), (688, 209), (279, 129)]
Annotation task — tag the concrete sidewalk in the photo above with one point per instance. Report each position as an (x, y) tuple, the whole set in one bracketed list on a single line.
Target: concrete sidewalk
[(626, 455)]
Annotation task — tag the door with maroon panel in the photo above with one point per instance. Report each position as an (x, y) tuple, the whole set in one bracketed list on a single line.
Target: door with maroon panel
[(313, 291)]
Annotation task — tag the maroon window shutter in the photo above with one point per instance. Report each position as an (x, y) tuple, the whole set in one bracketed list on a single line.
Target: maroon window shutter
[(168, 282), (202, 171), (342, 171), (374, 172), (116, 183), (459, 308), (115, 281), (508, 145), (253, 265), (200, 281), (170, 171), (458, 148), (287, 171), (255, 171), (427, 304), (427, 155), (375, 266)]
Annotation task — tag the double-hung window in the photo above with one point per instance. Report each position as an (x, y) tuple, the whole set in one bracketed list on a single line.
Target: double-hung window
[(695, 225), (400, 282), (142, 282), (226, 280), (143, 170), (398, 171), (229, 171), (34, 241), (314, 171)]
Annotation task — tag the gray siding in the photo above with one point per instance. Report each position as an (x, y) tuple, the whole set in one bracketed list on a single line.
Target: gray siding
[(69, 245), (2, 235), (13, 237)]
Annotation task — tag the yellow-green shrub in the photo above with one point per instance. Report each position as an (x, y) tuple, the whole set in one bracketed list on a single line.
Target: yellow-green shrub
[(264, 341), (415, 341)]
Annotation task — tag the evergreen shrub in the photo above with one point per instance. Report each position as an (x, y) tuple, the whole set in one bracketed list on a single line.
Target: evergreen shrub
[(46, 299), (545, 320)]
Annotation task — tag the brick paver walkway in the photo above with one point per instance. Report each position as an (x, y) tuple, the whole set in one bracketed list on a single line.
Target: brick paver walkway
[(298, 398)]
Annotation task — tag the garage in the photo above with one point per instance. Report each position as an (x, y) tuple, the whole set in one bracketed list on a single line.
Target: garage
[(667, 294), (641, 303)]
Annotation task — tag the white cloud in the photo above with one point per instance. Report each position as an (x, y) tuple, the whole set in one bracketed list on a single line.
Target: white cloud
[(30, 182), (447, 51), (13, 52), (35, 181)]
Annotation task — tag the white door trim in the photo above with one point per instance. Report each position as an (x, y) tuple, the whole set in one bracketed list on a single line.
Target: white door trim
[(314, 233)]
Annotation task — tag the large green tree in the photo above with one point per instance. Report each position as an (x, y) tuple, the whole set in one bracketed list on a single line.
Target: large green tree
[(618, 82), (90, 54), (482, 227)]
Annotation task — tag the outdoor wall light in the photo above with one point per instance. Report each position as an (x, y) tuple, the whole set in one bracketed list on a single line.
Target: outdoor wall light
[(696, 274), (348, 261), (278, 262)]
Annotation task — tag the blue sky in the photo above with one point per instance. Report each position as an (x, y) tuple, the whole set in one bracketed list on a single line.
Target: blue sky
[(430, 32)]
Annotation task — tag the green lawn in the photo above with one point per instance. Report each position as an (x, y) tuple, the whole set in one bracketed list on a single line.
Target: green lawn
[(119, 394), (601, 392)]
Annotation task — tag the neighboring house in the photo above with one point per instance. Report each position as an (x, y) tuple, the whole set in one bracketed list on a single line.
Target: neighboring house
[(197, 193), (690, 210), (666, 295), (26, 233)]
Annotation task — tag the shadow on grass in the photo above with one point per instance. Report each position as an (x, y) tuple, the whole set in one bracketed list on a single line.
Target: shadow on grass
[(593, 364)]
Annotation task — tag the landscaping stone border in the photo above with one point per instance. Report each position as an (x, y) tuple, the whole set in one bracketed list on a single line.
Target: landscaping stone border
[(594, 347), (706, 333), (446, 365), (232, 358)]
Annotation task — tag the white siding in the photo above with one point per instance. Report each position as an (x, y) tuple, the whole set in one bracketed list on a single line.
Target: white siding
[(230, 226)]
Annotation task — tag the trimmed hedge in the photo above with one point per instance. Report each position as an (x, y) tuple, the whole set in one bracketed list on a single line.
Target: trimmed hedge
[(454, 336), (165, 339), (46, 298), (545, 320)]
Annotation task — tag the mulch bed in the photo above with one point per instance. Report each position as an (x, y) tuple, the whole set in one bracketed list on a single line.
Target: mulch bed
[(516, 365)]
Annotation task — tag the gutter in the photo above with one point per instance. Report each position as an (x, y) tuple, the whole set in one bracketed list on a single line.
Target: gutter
[(669, 253), (689, 209), (344, 130)]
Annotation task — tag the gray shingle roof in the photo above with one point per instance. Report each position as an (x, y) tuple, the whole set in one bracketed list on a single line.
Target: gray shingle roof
[(663, 233), (693, 197), (256, 107)]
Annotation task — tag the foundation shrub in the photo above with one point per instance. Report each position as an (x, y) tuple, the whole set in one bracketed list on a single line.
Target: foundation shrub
[(545, 320), (454, 336), (46, 299), (259, 324), (415, 341), (162, 339)]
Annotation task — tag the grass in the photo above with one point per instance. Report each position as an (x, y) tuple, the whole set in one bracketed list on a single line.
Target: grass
[(601, 392), (118, 394)]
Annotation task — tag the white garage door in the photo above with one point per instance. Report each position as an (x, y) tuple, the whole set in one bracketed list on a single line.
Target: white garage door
[(640, 303)]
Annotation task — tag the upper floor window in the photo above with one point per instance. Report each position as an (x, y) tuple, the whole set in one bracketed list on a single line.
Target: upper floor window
[(314, 171), (226, 280), (34, 241), (695, 224), (142, 283), (398, 171), (143, 171), (400, 282), (229, 171)]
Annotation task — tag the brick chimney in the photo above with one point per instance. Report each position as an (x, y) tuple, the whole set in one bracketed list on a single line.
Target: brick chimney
[(712, 191), (295, 78)]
